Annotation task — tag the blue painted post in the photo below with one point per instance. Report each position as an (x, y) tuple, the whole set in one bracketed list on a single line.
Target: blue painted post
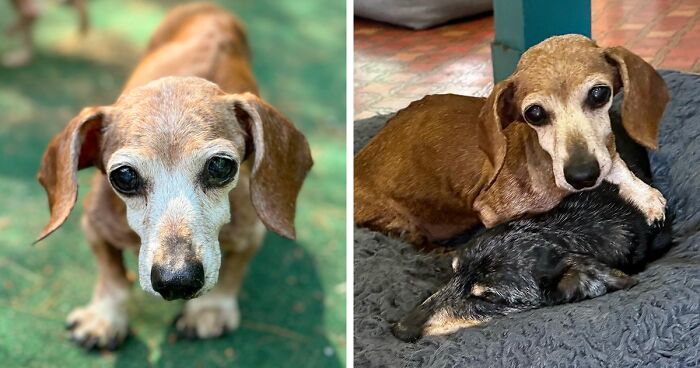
[(524, 23)]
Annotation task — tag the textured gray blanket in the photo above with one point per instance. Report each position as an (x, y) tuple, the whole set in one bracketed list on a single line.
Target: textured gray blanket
[(654, 324)]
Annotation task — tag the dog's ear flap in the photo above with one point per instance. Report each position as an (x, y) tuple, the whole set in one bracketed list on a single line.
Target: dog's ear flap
[(281, 160), (76, 147), (569, 279), (645, 96), (498, 112)]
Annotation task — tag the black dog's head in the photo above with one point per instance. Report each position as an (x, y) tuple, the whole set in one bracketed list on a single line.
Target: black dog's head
[(506, 270)]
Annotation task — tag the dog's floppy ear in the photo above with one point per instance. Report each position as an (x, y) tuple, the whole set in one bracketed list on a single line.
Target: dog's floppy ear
[(281, 159), (645, 96), (497, 113), (74, 148)]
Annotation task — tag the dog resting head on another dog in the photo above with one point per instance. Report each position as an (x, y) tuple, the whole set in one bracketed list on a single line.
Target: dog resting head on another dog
[(582, 249), (447, 163), (173, 149), (567, 104)]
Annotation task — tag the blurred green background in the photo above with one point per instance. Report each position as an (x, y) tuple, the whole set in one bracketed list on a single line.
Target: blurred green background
[(293, 299)]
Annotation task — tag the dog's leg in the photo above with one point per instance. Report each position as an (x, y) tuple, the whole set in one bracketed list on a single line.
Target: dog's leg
[(27, 12), (80, 7), (216, 312), (649, 200), (103, 322)]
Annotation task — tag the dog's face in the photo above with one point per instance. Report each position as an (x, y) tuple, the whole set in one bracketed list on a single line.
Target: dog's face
[(484, 285), (563, 89), (174, 168), (172, 150), (569, 110)]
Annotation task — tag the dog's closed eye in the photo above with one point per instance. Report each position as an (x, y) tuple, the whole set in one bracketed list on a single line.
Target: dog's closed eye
[(491, 297)]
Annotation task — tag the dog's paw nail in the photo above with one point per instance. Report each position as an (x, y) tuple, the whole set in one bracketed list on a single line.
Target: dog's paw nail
[(90, 343), (190, 333), (113, 344)]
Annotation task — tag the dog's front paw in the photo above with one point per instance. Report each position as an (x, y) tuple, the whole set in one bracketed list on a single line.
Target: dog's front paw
[(654, 207), (208, 316), (98, 326)]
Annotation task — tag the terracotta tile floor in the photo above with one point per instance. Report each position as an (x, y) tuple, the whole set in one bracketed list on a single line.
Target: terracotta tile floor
[(394, 66)]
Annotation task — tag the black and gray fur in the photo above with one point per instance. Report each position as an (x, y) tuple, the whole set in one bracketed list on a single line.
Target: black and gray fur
[(587, 246)]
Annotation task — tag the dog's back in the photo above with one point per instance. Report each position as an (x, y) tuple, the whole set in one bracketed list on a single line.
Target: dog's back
[(390, 197), (199, 40)]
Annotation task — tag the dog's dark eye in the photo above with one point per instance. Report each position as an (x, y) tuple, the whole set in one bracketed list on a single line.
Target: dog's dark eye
[(492, 297), (125, 180), (535, 115), (220, 170), (598, 96)]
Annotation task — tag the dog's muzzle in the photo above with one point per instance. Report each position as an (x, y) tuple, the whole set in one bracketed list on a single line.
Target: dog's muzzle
[(582, 174), (582, 169)]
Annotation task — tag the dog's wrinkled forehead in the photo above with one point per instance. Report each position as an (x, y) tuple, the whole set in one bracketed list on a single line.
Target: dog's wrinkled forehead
[(170, 118), (561, 64)]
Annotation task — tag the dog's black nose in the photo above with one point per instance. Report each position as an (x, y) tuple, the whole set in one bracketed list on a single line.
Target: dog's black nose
[(182, 283), (582, 174), (406, 333)]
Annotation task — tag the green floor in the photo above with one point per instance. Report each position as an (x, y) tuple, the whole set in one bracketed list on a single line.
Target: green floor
[(293, 301)]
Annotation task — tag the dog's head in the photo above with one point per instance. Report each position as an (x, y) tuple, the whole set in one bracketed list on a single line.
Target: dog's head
[(172, 150), (563, 89), (498, 275)]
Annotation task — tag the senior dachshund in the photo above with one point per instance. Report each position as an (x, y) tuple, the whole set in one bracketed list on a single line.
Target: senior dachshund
[(585, 247), (448, 163), (191, 165)]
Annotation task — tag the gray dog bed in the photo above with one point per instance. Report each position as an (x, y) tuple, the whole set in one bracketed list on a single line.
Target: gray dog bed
[(654, 324), (419, 14)]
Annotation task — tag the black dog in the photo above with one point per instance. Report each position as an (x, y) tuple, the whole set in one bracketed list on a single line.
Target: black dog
[(583, 248)]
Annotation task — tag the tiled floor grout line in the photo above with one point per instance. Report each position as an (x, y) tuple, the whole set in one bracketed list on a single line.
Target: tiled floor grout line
[(661, 54), (645, 31)]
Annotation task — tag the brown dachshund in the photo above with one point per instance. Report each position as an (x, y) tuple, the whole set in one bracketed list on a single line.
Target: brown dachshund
[(191, 165), (447, 163)]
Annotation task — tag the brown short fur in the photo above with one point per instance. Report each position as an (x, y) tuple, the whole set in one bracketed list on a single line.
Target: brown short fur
[(447, 163)]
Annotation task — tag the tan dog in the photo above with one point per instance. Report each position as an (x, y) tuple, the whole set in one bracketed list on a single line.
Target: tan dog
[(170, 152), (27, 13), (446, 163)]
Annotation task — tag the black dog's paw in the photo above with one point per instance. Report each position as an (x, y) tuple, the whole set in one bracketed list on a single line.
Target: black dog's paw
[(405, 333), (658, 224)]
